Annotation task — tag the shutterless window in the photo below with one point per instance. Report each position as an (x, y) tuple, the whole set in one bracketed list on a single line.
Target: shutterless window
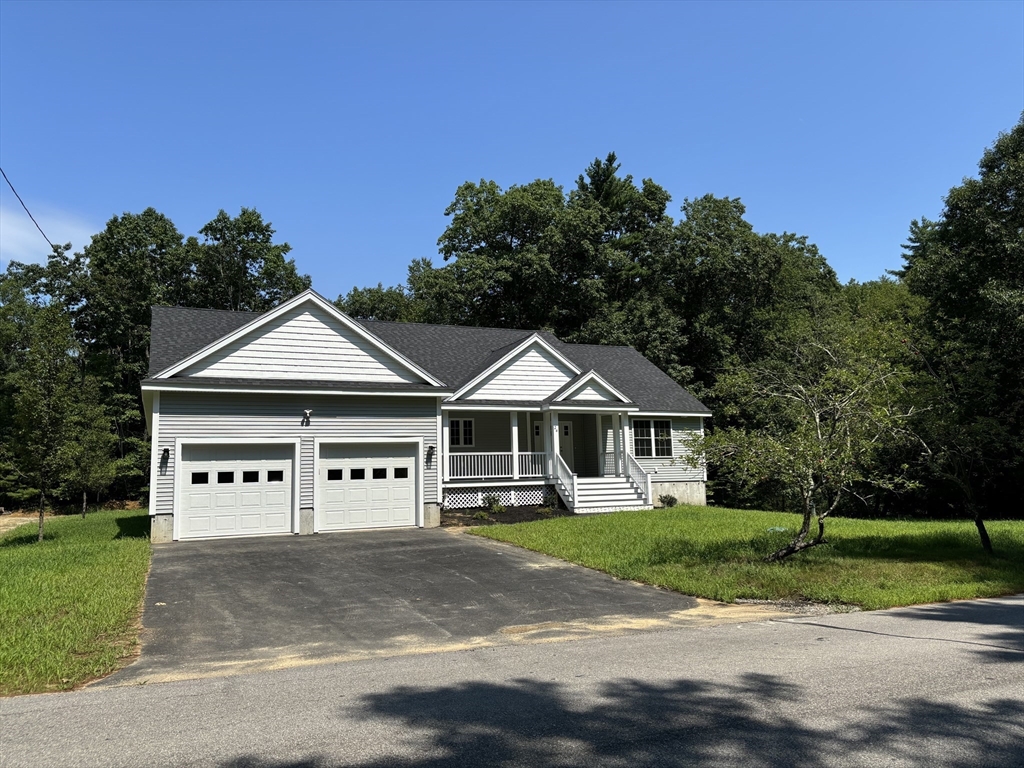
[(380, 473), (460, 432), (200, 478), (275, 476), (357, 474), (652, 438), (642, 438), (225, 477), (401, 473), (335, 474), (251, 476), (662, 438)]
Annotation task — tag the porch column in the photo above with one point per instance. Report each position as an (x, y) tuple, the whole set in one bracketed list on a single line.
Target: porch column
[(617, 437), (546, 428), (445, 465), (514, 423), (554, 441)]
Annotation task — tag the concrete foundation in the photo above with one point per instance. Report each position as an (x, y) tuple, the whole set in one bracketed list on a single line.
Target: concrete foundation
[(431, 515), (306, 520), (685, 493), (161, 529)]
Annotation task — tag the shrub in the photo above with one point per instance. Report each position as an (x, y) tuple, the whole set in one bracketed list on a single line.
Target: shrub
[(667, 500)]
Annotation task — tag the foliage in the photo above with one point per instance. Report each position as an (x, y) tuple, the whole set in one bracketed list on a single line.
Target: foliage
[(667, 500), (492, 503), (718, 554), (69, 606)]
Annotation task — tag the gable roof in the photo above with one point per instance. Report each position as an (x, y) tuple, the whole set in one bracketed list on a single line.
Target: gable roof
[(453, 354)]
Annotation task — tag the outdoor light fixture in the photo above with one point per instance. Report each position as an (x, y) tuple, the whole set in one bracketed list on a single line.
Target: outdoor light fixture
[(166, 454), (306, 414)]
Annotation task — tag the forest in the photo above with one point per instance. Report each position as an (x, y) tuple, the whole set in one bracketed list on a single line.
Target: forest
[(902, 396)]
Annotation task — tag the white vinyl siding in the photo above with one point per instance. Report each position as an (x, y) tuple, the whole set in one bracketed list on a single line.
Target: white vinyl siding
[(594, 391), (532, 375), (254, 416), (668, 470), (304, 343)]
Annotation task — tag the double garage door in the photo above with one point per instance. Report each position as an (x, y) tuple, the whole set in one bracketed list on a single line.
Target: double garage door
[(247, 490)]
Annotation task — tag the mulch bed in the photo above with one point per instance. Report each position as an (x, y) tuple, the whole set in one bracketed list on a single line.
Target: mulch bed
[(461, 518)]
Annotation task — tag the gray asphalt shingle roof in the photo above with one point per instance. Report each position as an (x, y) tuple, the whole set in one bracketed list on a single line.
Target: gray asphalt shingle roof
[(453, 354)]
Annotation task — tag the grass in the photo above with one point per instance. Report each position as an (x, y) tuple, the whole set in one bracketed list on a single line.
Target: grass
[(69, 606), (718, 554)]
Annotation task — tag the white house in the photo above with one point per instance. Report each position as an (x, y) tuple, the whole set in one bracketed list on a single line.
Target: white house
[(303, 420)]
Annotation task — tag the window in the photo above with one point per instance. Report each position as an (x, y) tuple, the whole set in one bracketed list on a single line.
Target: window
[(200, 478), (401, 473), (225, 477), (335, 474), (565, 430), (380, 473), (652, 438), (357, 474), (536, 429), (460, 432), (275, 476), (252, 476)]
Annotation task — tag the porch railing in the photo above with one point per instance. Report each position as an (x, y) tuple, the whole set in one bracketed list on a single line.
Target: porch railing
[(532, 464), (479, 465), (640, 477), (566, 482)]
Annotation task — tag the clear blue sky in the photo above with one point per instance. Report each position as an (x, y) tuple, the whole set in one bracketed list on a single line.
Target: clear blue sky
[(349, 126)]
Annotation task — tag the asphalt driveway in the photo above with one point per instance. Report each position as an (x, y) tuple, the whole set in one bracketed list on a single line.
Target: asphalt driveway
[(231, 606)]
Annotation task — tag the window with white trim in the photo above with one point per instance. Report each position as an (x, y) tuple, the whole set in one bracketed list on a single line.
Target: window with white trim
[(460, 432), (652, 438)]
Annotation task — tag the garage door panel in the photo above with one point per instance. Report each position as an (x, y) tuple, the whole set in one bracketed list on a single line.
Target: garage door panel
[(246, 490), (360, 487)]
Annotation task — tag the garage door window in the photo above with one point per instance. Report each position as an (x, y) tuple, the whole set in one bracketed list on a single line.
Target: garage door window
[(380, 473), (251, 476), (200, 478), (357, 474), (401, 473), (225, 477), (335, 474), (275, 476)]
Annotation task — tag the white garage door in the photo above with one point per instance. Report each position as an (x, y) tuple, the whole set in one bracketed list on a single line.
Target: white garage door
[(366, 486), (235, 490)]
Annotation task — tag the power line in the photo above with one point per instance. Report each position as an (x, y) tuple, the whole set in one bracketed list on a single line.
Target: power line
[(26, 209)]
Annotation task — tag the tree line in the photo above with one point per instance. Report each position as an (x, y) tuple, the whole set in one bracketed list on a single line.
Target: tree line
[(897, 396)]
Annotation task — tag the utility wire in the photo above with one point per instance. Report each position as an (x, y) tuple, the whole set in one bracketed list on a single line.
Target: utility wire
[(26, 209)]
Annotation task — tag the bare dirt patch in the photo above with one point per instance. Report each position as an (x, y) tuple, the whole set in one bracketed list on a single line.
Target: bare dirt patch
[(465, 518)]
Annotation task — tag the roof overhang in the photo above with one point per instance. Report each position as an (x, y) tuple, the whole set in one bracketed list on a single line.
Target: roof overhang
[(313, 297), (276, 386)]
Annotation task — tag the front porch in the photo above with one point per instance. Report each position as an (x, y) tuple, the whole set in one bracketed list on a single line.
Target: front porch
[(585, 455)]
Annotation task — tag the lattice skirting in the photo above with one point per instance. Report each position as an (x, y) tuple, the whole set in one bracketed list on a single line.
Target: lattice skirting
[(511, 496)]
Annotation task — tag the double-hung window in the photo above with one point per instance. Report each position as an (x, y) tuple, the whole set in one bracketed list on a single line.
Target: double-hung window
[(652, 438), (460, 432)]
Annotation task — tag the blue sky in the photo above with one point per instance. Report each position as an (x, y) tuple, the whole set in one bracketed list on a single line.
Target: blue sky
[(349, 126)]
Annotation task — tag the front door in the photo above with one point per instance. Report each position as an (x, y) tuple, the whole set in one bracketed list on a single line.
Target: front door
[(565, 444), (538, 436)]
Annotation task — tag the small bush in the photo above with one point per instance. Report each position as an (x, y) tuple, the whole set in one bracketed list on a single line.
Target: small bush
[(492, 502), (481, 515), (667, 500)]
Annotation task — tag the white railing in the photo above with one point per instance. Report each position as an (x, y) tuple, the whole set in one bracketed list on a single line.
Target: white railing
[(637, 474), (479, 465), (532, 464), (567, 479)]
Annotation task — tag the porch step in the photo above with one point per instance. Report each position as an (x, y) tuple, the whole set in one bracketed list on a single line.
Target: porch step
[(607, 493)]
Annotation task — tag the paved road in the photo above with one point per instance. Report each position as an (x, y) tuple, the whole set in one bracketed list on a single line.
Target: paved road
[(931, 686)]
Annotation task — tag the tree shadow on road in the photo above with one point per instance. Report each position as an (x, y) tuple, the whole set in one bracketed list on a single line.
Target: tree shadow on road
[(756, 721), (1004, 620)]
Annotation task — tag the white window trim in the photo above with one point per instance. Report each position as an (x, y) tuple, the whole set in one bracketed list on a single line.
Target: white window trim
[(671, 447), (462, 433)]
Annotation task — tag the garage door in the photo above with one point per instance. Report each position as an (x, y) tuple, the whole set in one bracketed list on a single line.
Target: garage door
[(235, 490), (366, 486)]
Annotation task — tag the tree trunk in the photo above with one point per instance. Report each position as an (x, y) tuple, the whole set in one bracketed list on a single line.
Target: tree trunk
[(986, 542), (83, 505), (42, 502)]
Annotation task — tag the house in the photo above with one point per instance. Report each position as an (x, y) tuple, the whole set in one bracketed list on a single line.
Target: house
[(304, 420)]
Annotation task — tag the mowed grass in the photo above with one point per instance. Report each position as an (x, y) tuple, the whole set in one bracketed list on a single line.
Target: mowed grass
[(718, 554), (69, 606)]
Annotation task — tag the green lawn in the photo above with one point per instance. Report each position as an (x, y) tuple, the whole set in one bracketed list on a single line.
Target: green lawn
[(69, 606), (717, 553)]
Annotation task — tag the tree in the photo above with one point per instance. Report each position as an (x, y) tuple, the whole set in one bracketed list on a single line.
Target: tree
[(968, 267), (238, 266), (820, 414), (47, 386), (86, 461)]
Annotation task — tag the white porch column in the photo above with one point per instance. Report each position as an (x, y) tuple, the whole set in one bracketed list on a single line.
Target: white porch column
[(546, 428), (555, 442), (445, 464), (617, 437), (514, 424)]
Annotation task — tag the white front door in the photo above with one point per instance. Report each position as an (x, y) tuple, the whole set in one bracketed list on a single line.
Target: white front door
[(565, 444), (538, 437)]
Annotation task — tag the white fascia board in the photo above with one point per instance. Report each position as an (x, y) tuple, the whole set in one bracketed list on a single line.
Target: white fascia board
[(587, 378), (704, 415), (596, 407), (535, 338), (280, 309), (284, 391), (467, 405)]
